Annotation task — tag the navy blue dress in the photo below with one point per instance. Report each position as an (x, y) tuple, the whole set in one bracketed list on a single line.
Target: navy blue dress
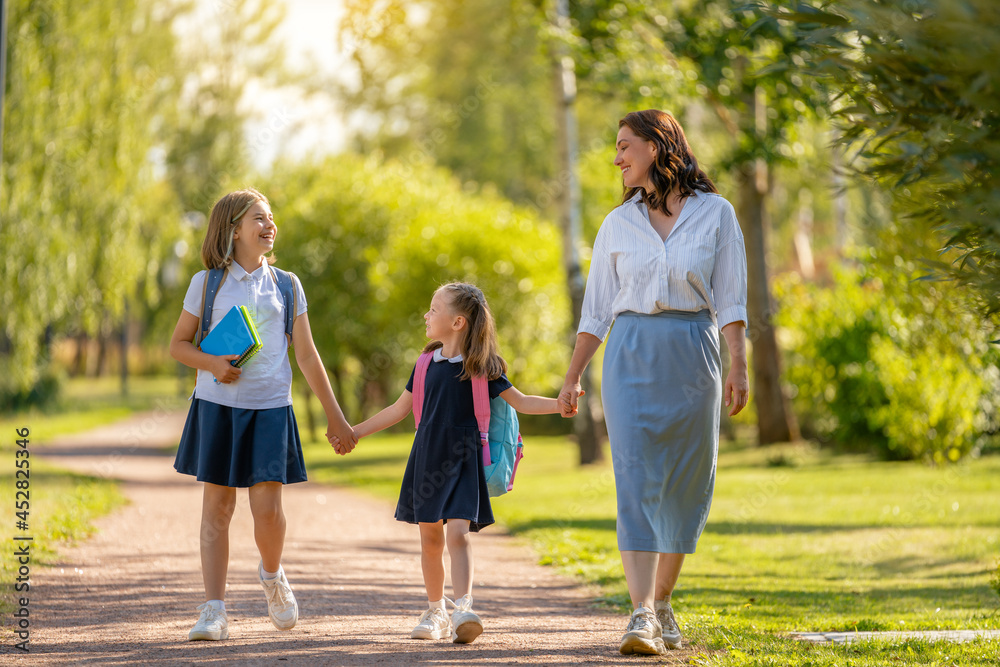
[(444, 476)]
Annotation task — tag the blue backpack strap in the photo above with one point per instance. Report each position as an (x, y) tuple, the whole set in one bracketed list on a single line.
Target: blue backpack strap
[(286, 286), (213, 281)]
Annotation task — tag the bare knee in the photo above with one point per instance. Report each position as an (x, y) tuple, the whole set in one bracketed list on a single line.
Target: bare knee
[(432, 539), (458, 535), (218, 505), (265, 504)]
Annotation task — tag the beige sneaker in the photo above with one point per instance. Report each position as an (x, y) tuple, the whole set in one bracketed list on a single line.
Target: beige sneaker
[(643, 634), (212, 625), (670, 632), (281, 604), (433, 624), (466, 624)]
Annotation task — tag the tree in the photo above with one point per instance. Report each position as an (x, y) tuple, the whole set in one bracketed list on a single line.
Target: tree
[(372, 240), (722, 48), (918, 86), (83, 214)]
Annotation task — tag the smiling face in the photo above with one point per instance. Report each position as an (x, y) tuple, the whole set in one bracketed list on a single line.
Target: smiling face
[(255, 233), (634, 156), (441, 321)]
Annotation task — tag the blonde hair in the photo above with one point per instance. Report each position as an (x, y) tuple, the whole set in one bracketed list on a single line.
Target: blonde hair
[(480, 350), (217, 249)]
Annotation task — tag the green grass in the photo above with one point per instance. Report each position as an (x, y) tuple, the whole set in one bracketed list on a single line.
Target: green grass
[(87, 403), (797, 540), (63, 506)]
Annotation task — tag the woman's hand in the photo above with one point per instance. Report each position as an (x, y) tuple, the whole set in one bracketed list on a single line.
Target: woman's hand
[(737, 390), (568, 398), (224, 372)]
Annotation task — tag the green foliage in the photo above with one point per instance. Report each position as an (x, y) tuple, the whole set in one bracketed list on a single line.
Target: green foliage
[(882, 362), (372, 240), (918, 85), (82, 215)]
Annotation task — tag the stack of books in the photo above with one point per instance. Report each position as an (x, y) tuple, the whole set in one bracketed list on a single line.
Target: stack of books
[(235, 334)]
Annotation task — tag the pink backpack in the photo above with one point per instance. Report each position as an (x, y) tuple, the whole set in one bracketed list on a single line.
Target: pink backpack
[(498, 428)]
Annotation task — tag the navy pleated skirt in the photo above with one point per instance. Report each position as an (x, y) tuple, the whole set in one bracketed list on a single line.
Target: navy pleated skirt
[(238, 447), (662, 393)]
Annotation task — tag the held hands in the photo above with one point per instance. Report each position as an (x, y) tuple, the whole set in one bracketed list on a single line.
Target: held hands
[(343, 442), (568, 398), (737, 389), (224, 372)]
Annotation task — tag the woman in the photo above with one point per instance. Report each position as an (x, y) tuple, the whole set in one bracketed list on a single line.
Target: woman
[(669, 269)]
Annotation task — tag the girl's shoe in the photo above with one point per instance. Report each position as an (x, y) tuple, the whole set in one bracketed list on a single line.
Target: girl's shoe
[(670, 632), (212, 625), (643, 634), (434, 624), (466, 625), (281, 604)]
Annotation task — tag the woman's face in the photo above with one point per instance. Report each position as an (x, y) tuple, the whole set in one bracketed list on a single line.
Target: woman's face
[(634, 156)]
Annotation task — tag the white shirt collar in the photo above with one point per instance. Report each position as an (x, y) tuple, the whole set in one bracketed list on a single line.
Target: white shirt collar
[(239, 273), (440, 357)]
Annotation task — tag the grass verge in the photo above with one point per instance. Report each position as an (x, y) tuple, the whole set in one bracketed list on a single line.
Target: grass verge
[(797, 540), (63, 508), (87, 403)]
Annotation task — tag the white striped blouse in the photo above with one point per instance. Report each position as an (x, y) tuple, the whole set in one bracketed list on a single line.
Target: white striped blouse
[(702, 265)]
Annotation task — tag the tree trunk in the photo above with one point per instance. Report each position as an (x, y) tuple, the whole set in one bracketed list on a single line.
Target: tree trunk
[(124, 346), (569, 221), (775, 421)]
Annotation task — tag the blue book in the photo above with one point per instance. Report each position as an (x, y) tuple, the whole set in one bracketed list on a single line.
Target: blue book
[(235, 334)]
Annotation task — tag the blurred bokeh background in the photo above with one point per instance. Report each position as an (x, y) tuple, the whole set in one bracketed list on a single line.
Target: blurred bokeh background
[(405, 144)]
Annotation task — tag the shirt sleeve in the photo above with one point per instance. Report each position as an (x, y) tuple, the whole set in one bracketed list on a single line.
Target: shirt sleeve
[(300, 295), (192, 300), (729, 280), (409, 384), (603, 286), (499, 386)]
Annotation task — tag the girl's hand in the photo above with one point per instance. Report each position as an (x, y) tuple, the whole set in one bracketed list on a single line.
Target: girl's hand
[(224, 372), (737, 390), (342, 445), (568, 398)]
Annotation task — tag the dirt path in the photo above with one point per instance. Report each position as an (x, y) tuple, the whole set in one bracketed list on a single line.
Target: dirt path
[(128, 595)]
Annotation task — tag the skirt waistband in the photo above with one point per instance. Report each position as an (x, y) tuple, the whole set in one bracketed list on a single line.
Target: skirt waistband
[(704, 315)]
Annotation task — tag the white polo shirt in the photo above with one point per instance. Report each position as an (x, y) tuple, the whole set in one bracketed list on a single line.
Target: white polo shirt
[(702, 265), (266, 381)]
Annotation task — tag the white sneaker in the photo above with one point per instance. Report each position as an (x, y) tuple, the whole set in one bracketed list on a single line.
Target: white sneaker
[(670, 632), (212, 624), (466, 624), (434, 624), (281, 604), (643, 634)]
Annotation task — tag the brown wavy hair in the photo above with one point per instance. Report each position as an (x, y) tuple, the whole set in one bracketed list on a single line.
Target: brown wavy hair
[(675, 166), (217, 249), (480, 350)]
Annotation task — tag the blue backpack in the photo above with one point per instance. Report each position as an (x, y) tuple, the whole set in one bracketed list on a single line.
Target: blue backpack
[(498, 429), (213, 281)]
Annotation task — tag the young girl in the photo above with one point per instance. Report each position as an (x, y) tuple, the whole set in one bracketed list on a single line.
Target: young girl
[(444, 481), (240, 430)]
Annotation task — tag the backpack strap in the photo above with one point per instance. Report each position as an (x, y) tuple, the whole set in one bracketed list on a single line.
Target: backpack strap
[(419, 376), (481, 404), (286, 286), (213, 281)]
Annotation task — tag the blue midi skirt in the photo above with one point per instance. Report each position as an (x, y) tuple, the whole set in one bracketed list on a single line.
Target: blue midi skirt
[(662, 394), (239, 447)]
